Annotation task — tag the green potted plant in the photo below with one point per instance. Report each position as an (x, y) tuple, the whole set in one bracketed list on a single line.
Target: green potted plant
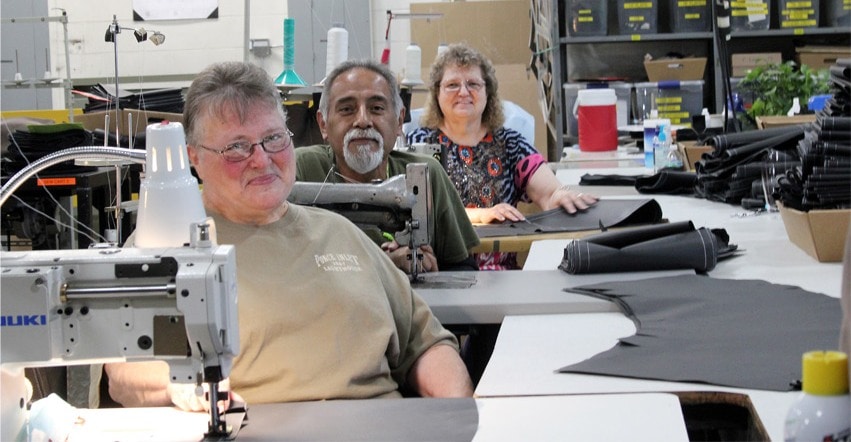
[(775, 86)]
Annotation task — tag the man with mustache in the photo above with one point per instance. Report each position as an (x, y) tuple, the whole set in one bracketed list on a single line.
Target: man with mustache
[(360, 116)]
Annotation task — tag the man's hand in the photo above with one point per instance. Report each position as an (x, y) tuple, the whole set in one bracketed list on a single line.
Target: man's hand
[(399, 255), (190, 397)]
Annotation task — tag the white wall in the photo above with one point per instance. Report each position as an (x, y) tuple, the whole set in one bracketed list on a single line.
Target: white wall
[(190, 45)]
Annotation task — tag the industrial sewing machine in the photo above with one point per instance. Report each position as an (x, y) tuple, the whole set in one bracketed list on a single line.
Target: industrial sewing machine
[(162, 301), (400, 206)]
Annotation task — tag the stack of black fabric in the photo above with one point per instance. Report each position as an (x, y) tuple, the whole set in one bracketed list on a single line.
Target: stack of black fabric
[(161, 100), (823, 180), (39, 140), (805, 165), (734, 172)]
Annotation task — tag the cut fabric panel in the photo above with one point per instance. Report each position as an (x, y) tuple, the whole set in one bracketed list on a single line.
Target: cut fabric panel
[(735, 333)]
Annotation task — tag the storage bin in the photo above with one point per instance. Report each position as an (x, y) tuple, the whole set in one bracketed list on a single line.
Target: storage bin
[(798, 14), (638, 17), (838, 13), (691, 16), (571, 91), (750, 15), (587, 18), (675, 100)]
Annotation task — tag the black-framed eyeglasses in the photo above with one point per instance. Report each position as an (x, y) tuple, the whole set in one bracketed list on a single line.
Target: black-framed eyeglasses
[(455, 86), (242, 150)]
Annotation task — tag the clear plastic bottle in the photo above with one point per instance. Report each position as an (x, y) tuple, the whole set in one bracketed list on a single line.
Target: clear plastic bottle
[(823, 409), (661, 145)]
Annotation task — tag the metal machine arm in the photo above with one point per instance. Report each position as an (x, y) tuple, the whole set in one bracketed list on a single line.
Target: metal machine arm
[(401, 204)]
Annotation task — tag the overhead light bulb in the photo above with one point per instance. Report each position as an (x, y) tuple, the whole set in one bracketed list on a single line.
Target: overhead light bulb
[(157, 38), (141, 34)]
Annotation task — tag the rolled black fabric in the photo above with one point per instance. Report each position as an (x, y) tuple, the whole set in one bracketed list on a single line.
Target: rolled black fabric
[(658, 247), (669, 182), (608, 179), (604, 214)]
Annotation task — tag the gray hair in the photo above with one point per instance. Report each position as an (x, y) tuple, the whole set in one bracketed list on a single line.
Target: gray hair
[(224, 86), (367, 64)]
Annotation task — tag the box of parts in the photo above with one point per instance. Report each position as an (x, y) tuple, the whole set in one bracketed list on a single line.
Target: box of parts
[(690, 68), (676, 100), (821, 57), (745, 62), (817, 232)]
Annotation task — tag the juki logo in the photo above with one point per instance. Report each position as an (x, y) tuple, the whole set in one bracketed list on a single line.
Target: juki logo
[(23, 320)]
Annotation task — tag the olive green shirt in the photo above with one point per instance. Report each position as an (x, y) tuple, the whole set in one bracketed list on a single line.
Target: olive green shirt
[(453, 235)]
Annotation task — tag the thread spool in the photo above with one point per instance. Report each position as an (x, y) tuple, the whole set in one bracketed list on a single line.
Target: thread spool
[(289, 75), (413, 65), (338, 47), (441, 48)]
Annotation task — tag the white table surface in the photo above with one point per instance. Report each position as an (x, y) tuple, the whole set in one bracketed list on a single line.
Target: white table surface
[(641, 417), (530, 349), (766, 252)]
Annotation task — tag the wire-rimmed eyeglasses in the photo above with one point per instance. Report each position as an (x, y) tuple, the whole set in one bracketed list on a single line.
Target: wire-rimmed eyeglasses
[(242, 150), (455, 86)]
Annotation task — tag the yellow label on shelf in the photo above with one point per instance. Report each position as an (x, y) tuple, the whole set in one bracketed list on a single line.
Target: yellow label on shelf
[(668, 108), (635, 37), (585, 19), (799, 14), (799, 5), (669, 100), (636, 18), (638, 5), (692, 16), (797, 23), (675, 115), (691, 3)]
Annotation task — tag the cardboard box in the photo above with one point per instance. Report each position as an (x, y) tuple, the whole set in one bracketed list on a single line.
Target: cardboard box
[(681, 69), (499, 29), (691, 152), (140, 120), (768, 121), (820, 233), (744, 63), (821, 57)]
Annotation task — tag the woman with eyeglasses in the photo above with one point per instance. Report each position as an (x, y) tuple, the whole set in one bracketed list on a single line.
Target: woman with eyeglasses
[(492, 167)]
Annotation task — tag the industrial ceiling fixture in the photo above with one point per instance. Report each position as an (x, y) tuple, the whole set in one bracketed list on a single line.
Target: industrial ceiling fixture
[(141, 34)]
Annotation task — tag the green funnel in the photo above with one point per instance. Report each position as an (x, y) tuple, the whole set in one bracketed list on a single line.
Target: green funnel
[(289, 76)]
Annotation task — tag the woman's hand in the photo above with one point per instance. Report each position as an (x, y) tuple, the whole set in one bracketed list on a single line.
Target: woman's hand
[(497, 213), (399, 255), (571, 201)]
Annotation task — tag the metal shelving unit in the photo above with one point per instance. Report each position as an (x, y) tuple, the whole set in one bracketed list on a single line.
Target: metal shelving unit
[(782, 40)]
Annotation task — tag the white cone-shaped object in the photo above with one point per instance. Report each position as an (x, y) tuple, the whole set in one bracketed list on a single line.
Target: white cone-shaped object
[(169, 198), (413, 65)]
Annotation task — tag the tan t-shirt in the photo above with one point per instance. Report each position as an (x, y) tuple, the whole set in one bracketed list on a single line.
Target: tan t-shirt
[(323, 313)]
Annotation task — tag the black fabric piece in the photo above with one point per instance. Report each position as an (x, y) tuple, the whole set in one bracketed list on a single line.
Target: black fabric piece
[(602, 215), (736, 333), (609, 180), (670, 182), (658, 247)]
